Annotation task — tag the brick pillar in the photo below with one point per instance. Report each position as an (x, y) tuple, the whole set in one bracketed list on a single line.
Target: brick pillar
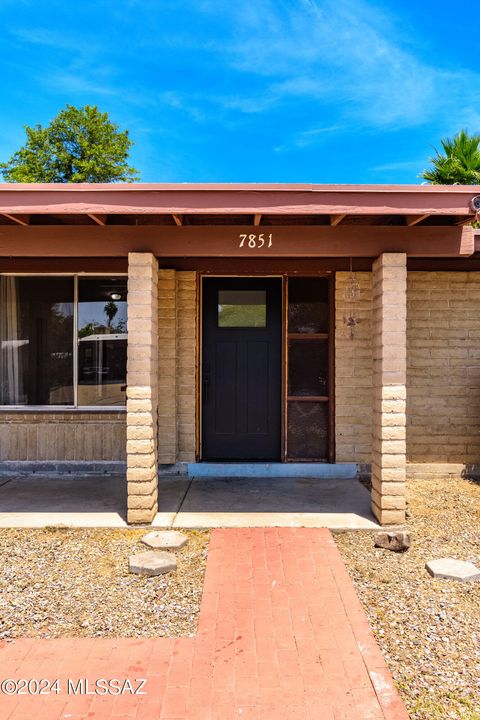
[(389, 387), (167, 362), (142, 390)]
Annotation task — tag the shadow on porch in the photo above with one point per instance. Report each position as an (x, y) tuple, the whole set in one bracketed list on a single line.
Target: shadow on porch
[(100, 501)]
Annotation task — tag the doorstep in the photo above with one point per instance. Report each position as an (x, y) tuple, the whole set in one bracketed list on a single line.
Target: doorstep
[(272, 470)]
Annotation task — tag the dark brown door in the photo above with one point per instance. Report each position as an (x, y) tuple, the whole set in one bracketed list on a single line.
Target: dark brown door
[(241, 368)]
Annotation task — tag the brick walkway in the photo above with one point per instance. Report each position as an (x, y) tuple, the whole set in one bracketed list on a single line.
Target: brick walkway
[(281, 636)]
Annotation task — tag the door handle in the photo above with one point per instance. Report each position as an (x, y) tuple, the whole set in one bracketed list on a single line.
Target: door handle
[(206, 383)]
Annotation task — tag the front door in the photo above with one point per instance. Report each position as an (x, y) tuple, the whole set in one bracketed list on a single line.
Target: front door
[(241, 368)]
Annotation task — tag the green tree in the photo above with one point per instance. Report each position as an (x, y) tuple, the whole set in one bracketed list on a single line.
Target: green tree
[(79, 145), (459, 164)]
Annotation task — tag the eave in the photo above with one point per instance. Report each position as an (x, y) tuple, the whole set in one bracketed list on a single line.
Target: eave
[(418, 219)]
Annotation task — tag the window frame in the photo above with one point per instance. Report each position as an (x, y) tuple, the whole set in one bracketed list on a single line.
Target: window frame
[(75, 408)]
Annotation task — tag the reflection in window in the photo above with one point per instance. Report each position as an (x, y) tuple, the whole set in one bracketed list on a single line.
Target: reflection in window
[(102, 341), (38, 342), (242, 308), (36, 336)]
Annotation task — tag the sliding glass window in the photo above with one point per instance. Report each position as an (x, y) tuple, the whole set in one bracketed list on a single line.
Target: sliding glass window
[(102, 341), (63, 341)]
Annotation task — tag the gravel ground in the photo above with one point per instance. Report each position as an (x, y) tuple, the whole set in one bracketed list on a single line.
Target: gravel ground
[(429, 630), (56, 582)]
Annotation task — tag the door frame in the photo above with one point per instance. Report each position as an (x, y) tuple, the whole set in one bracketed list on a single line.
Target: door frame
[(284, 355)]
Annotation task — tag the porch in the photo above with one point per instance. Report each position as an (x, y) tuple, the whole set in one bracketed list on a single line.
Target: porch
[(167, 238), (204, 502)]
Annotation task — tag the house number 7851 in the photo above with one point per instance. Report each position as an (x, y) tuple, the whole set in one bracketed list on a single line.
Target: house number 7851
[(255, 241)]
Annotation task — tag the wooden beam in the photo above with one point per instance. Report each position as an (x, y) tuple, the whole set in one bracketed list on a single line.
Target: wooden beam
[(39, 265), (412, 220), (288, 266), (257, 218), (226, 241), (18, 219), (99, 219), (337, 219), (178, 219)]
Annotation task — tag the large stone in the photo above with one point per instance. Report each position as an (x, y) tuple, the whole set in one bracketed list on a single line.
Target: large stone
[(165, 540), (152, 563), (398, 541), (452, 569)]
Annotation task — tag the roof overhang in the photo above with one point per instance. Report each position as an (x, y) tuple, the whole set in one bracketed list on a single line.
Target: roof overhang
[(423, 220)]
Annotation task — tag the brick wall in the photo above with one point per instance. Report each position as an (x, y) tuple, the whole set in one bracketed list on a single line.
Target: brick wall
[(62, 436), (353, 374), (443, 356)]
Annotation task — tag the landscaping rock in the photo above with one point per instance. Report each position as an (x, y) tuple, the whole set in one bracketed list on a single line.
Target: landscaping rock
[(152, 563), (452, 569), (165, 540), (398, 541)]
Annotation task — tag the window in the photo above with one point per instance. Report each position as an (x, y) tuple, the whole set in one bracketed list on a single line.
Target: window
[(242, 308), (308, 364), (63, 341)]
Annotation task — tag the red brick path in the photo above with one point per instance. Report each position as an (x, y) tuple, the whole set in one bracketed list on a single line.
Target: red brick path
[(281, 636)]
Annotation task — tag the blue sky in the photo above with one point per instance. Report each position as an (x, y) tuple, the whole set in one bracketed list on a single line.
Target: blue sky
[(348, 91)]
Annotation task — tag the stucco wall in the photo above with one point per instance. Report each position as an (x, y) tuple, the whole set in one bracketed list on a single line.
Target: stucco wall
[(62, 436)]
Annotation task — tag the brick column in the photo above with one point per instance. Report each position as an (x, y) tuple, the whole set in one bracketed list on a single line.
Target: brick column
[(389, 387), (167, 363), (142, 390)]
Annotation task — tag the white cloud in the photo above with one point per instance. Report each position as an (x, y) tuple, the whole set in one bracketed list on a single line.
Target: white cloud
[(347, 53), (348, 62)]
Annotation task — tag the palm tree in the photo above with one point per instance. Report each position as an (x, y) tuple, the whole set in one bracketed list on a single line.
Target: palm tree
[(460, 165)]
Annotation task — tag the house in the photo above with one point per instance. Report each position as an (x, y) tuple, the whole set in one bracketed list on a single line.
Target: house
[(160, 325)]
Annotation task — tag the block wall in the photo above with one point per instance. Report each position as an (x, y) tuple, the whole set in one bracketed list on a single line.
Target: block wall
[(353, 373), (167, 367), (443, 373), (186, 364), (443, 357), (177, 312)]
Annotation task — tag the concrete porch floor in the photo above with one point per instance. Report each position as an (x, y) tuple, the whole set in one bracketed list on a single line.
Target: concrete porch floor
[(100, 501)]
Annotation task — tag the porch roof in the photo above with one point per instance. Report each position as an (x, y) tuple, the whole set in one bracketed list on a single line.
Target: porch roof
[(204, 220), (235, 204)]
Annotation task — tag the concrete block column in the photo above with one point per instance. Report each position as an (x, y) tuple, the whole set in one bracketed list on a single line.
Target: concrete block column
[(389, 341), (142, 387)]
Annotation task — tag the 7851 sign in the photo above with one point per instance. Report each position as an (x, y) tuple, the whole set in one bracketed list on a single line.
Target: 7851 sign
[(255, 241)]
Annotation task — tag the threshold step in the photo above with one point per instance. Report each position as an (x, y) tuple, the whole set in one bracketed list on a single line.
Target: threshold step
[(274, 470)]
